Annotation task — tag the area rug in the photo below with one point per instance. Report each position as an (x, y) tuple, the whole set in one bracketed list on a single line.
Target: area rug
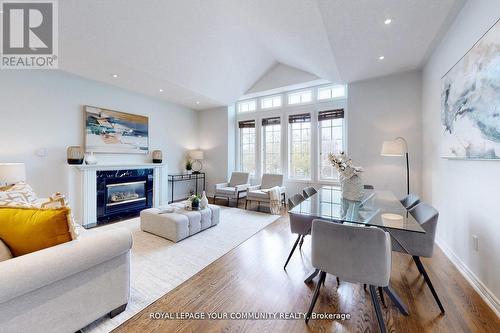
[(159, 265)]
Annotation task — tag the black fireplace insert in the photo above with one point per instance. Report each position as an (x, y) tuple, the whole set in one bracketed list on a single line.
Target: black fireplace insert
[(123, 193)]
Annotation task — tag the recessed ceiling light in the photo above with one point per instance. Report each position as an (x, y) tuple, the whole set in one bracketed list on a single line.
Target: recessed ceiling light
[(161, 90), (387, 21), (381, 58), (197, 102), (115, 75)]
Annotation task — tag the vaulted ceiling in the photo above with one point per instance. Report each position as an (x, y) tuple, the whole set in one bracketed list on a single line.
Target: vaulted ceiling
[(207, 53)]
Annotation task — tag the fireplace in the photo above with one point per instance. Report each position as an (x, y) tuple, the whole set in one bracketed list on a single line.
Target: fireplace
[(123, 193)]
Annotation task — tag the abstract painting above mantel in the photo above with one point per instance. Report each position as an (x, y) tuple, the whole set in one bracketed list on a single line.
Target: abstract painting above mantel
[(108, 131), (470, 101)]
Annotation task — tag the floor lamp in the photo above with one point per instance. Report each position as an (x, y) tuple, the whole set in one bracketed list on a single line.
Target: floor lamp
[(398, 147)]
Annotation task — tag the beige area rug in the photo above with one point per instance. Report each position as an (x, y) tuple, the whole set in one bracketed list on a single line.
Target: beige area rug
[(159, 265)]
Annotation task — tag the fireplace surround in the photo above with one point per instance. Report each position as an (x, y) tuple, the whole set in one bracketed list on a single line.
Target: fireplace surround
[(127, 189), (123, 193)]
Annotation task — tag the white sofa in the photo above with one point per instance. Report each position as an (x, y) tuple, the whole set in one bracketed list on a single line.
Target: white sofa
[(66, 287)]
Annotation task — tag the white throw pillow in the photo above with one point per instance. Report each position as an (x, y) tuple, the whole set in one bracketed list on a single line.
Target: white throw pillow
[(17, 195), (4, 252), (25, 190)]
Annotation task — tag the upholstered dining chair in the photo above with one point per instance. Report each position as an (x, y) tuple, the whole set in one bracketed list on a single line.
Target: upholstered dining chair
[(258, 193), (420, 245), (299, 224), (410, 201), (236, 188), (308, 191), (352, 253)]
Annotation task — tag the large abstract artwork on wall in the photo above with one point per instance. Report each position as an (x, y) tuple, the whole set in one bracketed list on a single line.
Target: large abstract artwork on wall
[(470, 101), (108, 131)]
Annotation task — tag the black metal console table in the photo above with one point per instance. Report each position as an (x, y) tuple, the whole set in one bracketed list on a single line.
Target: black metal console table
[(174, 178)]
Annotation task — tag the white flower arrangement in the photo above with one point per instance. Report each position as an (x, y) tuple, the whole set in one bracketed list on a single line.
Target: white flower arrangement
[(343, 165)]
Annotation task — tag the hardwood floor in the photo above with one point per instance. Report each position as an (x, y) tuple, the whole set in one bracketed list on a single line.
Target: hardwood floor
[(251, 278)]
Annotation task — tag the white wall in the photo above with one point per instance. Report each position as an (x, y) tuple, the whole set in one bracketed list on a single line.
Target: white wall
[(383, 109), (214, 141), (43, 109), (466, 193)]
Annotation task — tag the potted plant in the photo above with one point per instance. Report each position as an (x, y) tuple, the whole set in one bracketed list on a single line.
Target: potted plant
[(195, 202), (189, 166)]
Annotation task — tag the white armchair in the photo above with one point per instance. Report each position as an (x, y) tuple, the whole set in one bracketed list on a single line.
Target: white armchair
[(260, 194), (236, 188)]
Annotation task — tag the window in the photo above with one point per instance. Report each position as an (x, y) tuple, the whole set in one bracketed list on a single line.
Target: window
[(331, 133), (331, 92), (270, 102), (247, 106), (300, 97), (300, 146), (247, 146), (271, 128)]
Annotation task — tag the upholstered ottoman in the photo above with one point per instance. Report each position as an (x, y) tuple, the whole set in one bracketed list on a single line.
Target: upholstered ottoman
[(179, 224)]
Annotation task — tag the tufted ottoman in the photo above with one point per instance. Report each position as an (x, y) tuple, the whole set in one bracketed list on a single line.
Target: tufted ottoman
[(181, 223)]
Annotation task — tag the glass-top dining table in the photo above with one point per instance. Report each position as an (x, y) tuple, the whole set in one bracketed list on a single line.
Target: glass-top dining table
[(376, 208)]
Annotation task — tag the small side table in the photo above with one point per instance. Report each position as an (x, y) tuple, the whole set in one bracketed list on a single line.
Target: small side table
[(174, 178)]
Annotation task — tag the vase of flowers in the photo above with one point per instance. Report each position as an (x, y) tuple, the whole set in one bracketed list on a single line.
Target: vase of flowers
[(349, 176)]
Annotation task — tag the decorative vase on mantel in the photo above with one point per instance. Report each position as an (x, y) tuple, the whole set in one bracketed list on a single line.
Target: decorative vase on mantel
[(352, 188), (90, 159)]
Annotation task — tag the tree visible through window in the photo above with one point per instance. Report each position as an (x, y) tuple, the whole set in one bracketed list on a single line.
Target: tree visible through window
[(300, 146), (247, 146), (331, 135), (272, 144)]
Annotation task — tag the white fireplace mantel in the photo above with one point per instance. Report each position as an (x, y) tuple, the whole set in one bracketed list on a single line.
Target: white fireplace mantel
[(82, 187)]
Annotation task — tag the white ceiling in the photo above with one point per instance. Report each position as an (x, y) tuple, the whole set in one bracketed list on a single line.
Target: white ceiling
[(214, 51)]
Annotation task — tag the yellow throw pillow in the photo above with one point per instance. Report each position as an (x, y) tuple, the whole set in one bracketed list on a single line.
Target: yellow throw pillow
[(25, 230)]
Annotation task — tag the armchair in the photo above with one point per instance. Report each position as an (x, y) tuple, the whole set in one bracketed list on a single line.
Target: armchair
[(258, 192), (236, 188)]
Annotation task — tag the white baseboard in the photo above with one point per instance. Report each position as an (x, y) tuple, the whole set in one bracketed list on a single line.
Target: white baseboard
[(473, 280)]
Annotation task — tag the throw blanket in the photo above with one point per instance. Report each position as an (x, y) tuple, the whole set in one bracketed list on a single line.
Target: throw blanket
[(274, 200)]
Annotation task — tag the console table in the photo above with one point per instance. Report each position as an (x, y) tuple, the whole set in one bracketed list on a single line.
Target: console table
[(174, 178)]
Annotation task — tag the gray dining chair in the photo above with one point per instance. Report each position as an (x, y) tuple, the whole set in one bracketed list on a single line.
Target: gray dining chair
[(368, 187), (309, 191), (410, 201), (418, 244), (354, 254), (299, 224)]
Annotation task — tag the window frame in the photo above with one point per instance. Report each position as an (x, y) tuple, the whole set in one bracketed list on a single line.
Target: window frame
[(264, 144), (320, 146), (331, 87), (272, 98), (240, 147), (300, 92), (247, 101), (284, 111), (290, 148)]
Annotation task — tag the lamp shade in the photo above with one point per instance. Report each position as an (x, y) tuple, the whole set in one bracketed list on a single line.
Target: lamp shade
[(395, 147), (196, 154), (11, 173)]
